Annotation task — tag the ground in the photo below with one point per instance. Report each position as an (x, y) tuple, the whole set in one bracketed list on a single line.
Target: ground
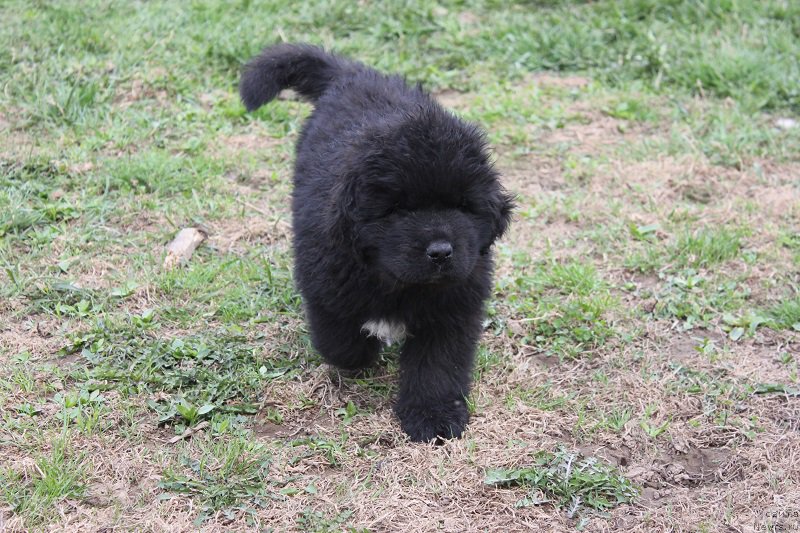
[(639, 366)]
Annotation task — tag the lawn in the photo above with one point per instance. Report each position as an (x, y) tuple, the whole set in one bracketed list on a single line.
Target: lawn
[(639, 366)]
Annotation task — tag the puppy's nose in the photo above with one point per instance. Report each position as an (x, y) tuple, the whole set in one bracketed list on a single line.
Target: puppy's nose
[(439, 251)]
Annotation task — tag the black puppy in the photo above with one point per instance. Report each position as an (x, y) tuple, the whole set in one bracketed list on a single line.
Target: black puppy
[(395, 208)]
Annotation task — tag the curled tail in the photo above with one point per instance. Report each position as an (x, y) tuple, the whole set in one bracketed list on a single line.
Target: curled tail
[(306, 69)]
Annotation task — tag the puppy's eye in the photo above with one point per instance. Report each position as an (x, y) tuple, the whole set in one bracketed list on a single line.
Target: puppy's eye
[(463, 204)]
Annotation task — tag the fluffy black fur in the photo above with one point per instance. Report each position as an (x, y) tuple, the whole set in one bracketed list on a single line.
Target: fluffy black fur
[(395, 208)]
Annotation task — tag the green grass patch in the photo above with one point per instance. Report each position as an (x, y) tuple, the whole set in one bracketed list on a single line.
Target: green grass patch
[(257, 286), (706, 247), (561, 307), (229, 475), (698, 299), (687, 249), (63, 299), (321, 522), (689, 46), (512, 115), (159, 173), (615, 419), (28, 199), (785, 315), (636, 109), (569, 481), (790, 240), (718, 392), (201, 374), (84, 409), (727, 133), (690, 289), (35, 495)]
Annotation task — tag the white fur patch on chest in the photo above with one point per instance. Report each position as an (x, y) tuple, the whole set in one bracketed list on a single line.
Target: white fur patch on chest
[(386, 331)]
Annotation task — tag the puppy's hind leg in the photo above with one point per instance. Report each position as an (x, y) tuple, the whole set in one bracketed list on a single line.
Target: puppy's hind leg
[(340, 340)]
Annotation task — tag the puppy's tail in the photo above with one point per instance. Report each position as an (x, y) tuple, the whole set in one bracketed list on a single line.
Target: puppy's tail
[(306, 69)]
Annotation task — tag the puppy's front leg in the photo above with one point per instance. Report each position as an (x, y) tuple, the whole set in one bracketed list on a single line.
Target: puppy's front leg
[(435, 376)]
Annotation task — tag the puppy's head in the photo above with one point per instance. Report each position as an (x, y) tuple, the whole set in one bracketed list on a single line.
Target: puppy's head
[(421, 201)]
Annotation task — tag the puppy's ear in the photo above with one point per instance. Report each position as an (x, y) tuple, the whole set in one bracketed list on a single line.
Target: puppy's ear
[(501, 206)]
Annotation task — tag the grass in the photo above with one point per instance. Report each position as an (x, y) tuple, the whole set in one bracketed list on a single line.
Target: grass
[(255, 285), (227, 475), (562, 307), (201, 374), (698, 298), (645, 301), (568, 480), (692, 46), (786, 314), (688, 249), (55, 476), (706, 247), (540, 397)]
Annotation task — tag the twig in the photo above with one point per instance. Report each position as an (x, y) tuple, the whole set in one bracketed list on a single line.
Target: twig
[(189, 432), (251, 206)]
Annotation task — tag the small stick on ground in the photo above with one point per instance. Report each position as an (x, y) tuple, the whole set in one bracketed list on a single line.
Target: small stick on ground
[(189, 432), (180, 250), (251, 206)]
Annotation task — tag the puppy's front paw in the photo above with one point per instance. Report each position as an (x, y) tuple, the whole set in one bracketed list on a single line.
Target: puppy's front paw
[(424, 423)]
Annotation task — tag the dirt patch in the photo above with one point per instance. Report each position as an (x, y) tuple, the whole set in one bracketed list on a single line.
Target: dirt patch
[(211, 99), (249, 142), (619, 455), (548, 79), (38, 336), (454, 99), (264, 429), (698, 465), (648, 191), (533, 175), (306, 423), (725, 188), (137, 91), (684, 346), (16, 144), (468, 18), (267, 228), (782, 201), (595, 134)]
